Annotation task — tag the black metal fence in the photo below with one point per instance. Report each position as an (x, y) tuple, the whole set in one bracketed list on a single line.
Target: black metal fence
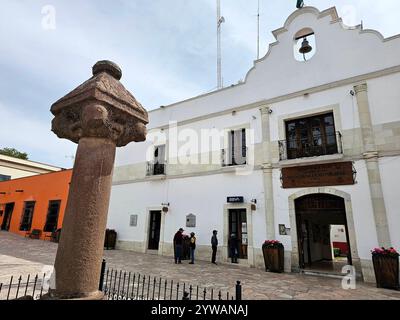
[(23, 287), (122, 285)]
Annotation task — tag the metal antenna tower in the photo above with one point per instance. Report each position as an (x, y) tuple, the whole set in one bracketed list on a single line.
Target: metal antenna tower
[(220, 20), (258, 31)]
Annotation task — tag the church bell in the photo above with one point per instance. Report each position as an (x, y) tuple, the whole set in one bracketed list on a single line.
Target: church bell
[(305, 47)]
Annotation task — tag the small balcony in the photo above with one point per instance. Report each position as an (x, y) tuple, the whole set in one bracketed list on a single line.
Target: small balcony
[(317, 145), (155, 169), (230, 158)]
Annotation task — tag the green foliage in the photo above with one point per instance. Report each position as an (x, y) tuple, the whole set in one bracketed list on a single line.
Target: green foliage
[(11, 152)]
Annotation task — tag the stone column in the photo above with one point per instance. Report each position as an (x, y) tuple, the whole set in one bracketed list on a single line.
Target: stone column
[(99, 115), (371, 156), (267, 172)]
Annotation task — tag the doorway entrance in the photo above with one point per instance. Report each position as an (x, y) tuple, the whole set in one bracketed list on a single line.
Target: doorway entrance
[(7, 216), (238, 226), (317, 218), (154, 230)]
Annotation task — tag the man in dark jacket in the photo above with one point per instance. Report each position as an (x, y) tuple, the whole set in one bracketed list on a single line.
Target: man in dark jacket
[(178, 243), (214, 245), (234, 247)]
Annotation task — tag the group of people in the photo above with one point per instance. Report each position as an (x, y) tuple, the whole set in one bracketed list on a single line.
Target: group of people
[(178, 246)]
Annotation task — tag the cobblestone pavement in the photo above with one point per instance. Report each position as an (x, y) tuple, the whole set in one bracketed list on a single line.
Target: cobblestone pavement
[(257, 284)]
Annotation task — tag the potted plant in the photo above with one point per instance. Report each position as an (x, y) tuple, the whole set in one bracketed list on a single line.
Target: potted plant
[(273, 256), (386, 267)]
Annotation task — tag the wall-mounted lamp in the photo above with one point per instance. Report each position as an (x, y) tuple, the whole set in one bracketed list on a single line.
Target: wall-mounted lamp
[(270, 111), (165, 207), (253, 204), (234, 113), (352, 93)]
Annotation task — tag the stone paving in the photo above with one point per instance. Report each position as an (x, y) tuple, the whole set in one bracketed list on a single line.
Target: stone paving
[(20, 255)]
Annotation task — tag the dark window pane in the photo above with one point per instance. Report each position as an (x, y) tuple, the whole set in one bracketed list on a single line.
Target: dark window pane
[(27, 215), (52, 216)]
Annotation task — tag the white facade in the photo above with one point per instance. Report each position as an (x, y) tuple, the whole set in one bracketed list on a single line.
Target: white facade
[(14, 168), (354, 74)]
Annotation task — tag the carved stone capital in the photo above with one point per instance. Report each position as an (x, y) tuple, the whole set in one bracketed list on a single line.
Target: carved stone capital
[(100, 108), (265, 110), (360, 88)]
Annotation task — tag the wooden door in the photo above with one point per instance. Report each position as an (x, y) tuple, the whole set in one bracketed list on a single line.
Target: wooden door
[(238, 225), (7, 216), (154, 230)]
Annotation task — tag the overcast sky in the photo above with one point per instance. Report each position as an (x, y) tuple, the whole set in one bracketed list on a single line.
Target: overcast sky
[(166, 49)]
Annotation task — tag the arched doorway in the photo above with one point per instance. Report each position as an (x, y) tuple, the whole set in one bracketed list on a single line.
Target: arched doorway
[(322, 232)]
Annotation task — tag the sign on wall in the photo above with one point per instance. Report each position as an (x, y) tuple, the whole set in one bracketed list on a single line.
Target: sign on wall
[(331, 174), (133, 220), (190, 221), (235, 199)]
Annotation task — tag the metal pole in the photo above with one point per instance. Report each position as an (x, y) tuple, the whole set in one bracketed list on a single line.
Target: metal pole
[(103, 270)]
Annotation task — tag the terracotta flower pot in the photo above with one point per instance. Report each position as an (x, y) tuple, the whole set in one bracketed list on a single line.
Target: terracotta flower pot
[(274, 259), (386, 271)]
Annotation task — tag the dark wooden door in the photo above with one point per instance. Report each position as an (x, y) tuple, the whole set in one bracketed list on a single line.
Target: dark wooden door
[(238, 225), (7, 216), (154, 230)]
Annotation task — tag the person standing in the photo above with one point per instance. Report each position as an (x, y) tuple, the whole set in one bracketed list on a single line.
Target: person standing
[(214, 245), (178, 243), (192, 247), (233, 247)]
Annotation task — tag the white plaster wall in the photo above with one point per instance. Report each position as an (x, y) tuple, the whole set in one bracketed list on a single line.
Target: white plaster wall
[(390, 177), (342, 53), (16, 173), (203, 196), (361, 204), (336, 97), (136, 152), (384, 94), (131, 199)]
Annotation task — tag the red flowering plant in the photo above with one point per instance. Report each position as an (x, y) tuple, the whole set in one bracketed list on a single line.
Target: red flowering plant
[(391, 252), (274, 244)]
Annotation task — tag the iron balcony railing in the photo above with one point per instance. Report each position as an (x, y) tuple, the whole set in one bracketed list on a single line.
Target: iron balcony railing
[(230, 158), (155, 169), (317, 145)]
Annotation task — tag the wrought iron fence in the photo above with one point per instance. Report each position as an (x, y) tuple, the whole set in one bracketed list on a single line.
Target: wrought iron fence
[(317, 145), (124, 285), (30, 288)]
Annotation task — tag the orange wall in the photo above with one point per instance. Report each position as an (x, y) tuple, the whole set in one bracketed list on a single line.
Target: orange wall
[(39, 188)]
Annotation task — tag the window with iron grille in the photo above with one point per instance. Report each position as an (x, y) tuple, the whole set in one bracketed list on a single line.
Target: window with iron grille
[(27, 215), (237, 149), (311, 136), (52, 216)]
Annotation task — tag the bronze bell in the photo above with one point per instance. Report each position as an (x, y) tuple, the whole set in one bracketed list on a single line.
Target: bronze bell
[(305, 47)]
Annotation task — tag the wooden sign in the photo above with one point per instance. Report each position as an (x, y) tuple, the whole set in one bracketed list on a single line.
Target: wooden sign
[(331, 174)]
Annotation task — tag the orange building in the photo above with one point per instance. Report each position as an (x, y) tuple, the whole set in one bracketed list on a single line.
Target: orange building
[(34, 203)]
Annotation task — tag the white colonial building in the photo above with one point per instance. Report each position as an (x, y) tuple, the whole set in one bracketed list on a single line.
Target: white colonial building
[(305, 143)]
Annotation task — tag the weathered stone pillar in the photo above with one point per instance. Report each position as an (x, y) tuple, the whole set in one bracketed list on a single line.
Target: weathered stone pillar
[(371, 156), (267, 172), (99, 115)]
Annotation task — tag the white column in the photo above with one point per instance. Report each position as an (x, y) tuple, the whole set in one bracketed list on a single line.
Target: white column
[(371, 157), (267, 172)]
